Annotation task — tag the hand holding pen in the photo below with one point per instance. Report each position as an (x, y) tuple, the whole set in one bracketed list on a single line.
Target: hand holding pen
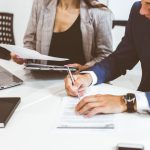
[(76, 84), (73, 80)]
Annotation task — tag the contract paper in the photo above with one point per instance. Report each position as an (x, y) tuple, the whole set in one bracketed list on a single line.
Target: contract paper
[(26, 53), (70, 119)]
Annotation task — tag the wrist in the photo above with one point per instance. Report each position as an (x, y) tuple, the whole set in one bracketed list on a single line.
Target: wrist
[(135, 106), (130, 101), (123, 104), (92, 78), (85, 67), (89, 79)]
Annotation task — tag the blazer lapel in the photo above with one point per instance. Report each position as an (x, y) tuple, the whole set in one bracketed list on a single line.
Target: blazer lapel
[(48, 25), (87, 30)]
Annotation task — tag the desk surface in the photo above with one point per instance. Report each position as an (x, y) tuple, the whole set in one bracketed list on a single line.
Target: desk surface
[(33, 125)]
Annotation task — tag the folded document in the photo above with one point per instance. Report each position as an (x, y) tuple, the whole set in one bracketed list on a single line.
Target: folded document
[(26, 53)]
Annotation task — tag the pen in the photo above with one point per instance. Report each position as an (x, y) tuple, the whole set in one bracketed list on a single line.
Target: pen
[(73, 80)]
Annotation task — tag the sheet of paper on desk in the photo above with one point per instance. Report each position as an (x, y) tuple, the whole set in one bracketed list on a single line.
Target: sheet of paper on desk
[(69, 119), (29, 54)]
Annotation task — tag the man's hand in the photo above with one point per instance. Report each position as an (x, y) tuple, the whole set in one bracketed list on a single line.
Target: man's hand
[(81, 83), (92, 105), (17, 59)]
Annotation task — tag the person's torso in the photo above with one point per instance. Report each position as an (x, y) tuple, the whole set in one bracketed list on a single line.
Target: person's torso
[(45, 25), (68, 44), (141, 34)]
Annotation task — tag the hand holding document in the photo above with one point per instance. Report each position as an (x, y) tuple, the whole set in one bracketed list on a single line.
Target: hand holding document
[(26, 53), (70, 119)]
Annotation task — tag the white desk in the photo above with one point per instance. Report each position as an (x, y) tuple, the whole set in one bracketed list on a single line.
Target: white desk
[(33, 125)]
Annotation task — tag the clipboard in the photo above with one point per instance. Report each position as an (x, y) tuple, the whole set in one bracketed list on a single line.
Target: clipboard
[(34, 66)]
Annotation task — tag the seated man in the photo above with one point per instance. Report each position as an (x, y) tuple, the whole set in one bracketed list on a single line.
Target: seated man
[(134, 47)]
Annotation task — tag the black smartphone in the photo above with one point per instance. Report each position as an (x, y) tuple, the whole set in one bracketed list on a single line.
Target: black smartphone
[(127, 146)]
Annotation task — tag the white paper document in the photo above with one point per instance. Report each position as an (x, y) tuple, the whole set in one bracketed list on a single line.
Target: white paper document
[(26, 53), (69, 118)]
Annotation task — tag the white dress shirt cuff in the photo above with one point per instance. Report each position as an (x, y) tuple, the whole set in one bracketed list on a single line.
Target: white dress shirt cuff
[(93, 75), (141, 101)]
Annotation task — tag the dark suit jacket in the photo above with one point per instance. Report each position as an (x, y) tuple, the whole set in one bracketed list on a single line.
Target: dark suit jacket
[(134, 47)]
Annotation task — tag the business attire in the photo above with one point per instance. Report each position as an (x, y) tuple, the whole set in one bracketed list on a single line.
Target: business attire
[(68, 44), (134, 47), (95, 26)]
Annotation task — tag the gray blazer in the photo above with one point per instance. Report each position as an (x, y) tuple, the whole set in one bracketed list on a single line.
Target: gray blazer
[(96, 25)]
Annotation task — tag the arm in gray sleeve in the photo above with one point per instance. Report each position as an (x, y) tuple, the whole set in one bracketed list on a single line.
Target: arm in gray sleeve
[(102, 34), (30, 34)]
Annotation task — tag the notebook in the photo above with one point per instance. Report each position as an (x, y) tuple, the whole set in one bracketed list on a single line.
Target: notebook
[(7, 107), (33, 66), (7, 79)]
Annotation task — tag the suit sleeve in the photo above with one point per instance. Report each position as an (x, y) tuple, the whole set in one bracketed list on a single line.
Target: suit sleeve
[(125, 57), (148, 97)]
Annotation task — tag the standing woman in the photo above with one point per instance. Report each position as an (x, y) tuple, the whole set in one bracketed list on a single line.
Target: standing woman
[(76, 29)]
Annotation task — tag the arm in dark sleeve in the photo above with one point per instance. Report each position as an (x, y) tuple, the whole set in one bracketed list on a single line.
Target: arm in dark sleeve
[(148, 97), (125, 57)]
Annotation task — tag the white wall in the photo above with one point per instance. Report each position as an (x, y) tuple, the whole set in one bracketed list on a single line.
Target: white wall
[(121, 10)]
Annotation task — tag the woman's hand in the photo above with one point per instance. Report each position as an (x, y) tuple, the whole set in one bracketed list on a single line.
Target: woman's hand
[(92, 105), (17, 59), (78, 66)]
